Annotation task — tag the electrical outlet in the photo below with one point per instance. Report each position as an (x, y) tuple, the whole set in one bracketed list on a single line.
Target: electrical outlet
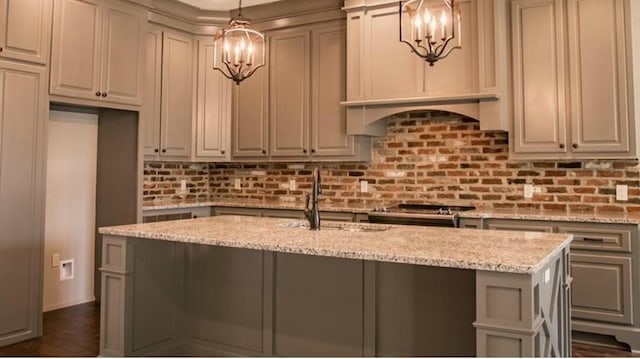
[(622, 192), (55, 259), (292, 185), (547, 275), (364, 186), (237, 183), (183, 185), (528, 191)]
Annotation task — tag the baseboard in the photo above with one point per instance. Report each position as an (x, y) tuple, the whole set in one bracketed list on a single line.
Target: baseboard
[(68, 304)]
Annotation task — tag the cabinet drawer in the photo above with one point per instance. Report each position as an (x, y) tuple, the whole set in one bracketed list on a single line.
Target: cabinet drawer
[(601, 287), (598, 238), (516, 225)]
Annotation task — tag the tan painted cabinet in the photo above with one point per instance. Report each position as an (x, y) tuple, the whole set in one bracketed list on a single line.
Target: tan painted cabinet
[(302, 95), (571, 77), (213, 112), (26, 30), (167, 113), (104, 60), (250, 119), (24, 109)]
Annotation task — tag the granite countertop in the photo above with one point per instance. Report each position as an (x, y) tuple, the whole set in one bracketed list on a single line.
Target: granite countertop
[(248, 203), (501, 251), (545, 215), (523, 214)]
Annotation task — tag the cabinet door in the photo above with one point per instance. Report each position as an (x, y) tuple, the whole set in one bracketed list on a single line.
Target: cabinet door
[(289, 93), (25, 33), (123, 50), (538, 76), (177, 75), (24, 107), (75, 51), (601, 287), (250, 106), (391, 68), (150, 113), (214, 106), (328, 89), (598, 72)]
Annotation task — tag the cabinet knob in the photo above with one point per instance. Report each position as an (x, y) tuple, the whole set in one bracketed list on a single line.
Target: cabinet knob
[(575, 145), (313, 150), (264, 152), (164, 150), (223, 152), (1, 49), (194, 216), (104, 94), (156, 150), (304, 151), (561, 145), (98, 93)]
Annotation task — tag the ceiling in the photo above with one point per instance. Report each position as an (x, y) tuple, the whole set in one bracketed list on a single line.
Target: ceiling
[(223, 5)]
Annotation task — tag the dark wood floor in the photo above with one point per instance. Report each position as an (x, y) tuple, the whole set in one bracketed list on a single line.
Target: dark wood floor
[(75, 332)]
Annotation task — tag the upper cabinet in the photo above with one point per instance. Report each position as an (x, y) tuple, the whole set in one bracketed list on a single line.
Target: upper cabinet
[(103, 61), (167, 113), (385, 77), (572, 79), (296, 100), (26, 30), (213, 111)]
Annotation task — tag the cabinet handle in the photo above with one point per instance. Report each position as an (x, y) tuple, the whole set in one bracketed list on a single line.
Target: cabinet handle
[(156, 150), (104, 94), (588, 239), (264, 152), (98, 93), (164, 150), (561, 145), (575, 145), (223, 152), (304, 151)]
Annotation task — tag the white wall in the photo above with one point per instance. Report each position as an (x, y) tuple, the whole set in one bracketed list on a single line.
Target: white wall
[(70, 207)]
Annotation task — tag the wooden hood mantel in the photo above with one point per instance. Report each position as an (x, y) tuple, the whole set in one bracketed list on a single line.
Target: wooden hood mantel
[(384, 77)]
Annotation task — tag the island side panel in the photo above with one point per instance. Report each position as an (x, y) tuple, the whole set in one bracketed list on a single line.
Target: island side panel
[(317, 306), (226, 290), (424, 311), (141, 296), (524, 314)]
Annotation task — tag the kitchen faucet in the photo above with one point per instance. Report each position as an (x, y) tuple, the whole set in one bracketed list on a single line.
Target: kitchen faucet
[(312, 214)]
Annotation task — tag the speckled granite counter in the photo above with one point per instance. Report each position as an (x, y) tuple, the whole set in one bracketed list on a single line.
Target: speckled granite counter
[(500, 251), (528, 214), (247, 203), (522, 214)]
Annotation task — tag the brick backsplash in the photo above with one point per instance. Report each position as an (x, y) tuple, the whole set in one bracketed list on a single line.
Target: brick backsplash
[(425, 157), (162, 181)]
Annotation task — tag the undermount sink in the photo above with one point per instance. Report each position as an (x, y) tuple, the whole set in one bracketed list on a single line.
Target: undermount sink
[(347, 227)]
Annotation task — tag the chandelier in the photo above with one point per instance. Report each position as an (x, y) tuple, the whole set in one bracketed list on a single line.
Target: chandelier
[(238, 49), (431, 30)]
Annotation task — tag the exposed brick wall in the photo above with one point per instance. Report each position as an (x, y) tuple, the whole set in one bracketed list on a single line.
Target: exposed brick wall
[(444, 158), (162, 181)]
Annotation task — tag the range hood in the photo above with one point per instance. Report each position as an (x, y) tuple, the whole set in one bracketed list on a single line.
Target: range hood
[(384, 77)]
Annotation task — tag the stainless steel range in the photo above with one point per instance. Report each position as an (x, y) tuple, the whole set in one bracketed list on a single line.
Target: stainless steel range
[(419, 214)]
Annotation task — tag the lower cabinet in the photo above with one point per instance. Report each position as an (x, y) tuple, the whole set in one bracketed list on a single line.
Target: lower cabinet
[(161, 215), (604, 267)]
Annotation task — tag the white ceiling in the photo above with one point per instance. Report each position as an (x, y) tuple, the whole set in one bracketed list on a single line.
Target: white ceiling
[(223, 5)]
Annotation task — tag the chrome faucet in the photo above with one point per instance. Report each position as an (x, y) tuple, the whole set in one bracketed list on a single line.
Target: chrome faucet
[(312, 214)]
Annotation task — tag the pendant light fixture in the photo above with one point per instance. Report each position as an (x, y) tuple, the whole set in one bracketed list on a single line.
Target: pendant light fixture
[(238, 49), (431, 30)]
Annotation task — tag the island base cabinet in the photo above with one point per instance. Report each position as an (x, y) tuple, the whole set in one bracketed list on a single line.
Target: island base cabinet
[(524, 315), (164, 298)]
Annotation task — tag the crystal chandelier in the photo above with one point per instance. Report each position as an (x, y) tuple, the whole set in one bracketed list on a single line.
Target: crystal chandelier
[(238, 49), (431, 30)]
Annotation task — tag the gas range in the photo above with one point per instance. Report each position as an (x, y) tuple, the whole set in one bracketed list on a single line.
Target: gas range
[(437, 215)]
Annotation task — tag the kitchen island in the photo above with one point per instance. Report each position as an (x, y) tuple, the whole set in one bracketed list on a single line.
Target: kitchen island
[(261, 286)]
